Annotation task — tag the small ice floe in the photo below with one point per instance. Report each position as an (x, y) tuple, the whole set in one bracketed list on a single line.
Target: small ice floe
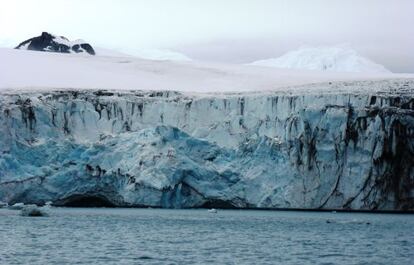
[(16, 206), (212, 210), (32, 210), (4, 204), (353, 221), (48, 204)]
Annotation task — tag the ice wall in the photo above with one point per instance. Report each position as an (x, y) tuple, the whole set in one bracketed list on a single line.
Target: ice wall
[(350, 148)]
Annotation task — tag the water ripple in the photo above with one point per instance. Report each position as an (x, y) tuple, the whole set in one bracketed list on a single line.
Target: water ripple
[(155, 236)]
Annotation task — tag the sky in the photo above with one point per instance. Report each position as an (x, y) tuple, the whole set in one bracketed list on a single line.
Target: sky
[(233, 31)]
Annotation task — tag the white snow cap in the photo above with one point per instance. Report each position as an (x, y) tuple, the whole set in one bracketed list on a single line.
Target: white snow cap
[(339, 58)]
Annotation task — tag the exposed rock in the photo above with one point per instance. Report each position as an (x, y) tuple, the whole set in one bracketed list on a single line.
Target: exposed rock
[(51, 43), (336, 150)]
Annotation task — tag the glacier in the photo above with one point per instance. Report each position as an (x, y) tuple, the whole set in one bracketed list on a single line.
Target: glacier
[(337, 145)]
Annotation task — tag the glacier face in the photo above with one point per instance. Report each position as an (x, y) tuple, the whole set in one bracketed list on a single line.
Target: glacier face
[(350, 148)]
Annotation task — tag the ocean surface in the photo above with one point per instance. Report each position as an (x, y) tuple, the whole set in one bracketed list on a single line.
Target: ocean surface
[(158, 236)]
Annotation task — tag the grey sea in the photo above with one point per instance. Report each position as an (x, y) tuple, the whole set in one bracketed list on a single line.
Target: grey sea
[(158, 236)]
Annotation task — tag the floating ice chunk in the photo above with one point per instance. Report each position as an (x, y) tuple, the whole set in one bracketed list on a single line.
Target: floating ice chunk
[(32, 210), (17, 206), (48, 204), (353, 221)]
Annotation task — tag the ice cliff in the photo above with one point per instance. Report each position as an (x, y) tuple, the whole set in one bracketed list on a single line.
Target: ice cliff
[(347, 146)]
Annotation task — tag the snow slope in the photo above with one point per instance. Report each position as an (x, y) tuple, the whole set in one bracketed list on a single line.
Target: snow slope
[(160, 55), (330, 59), (148, 54), (21, 69)]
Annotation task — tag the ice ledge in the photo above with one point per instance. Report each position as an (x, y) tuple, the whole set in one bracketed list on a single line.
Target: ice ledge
[(397, 86)]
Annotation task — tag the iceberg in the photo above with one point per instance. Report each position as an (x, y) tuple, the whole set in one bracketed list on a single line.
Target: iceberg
[(16, 206), (32, 211), (329, 59)]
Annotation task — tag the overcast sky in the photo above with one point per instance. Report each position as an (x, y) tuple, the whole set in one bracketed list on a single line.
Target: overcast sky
[(238, 31)]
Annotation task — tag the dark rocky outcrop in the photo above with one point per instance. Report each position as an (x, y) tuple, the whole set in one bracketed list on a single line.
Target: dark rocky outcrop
[(47, 42)]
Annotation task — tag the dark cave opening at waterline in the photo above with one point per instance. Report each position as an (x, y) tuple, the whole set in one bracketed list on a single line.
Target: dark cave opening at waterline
[(87, 201)]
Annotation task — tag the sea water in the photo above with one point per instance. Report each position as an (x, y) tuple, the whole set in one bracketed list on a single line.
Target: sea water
[(160, 236)]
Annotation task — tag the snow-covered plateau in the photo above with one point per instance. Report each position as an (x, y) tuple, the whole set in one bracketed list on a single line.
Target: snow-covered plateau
[(284, 140)]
